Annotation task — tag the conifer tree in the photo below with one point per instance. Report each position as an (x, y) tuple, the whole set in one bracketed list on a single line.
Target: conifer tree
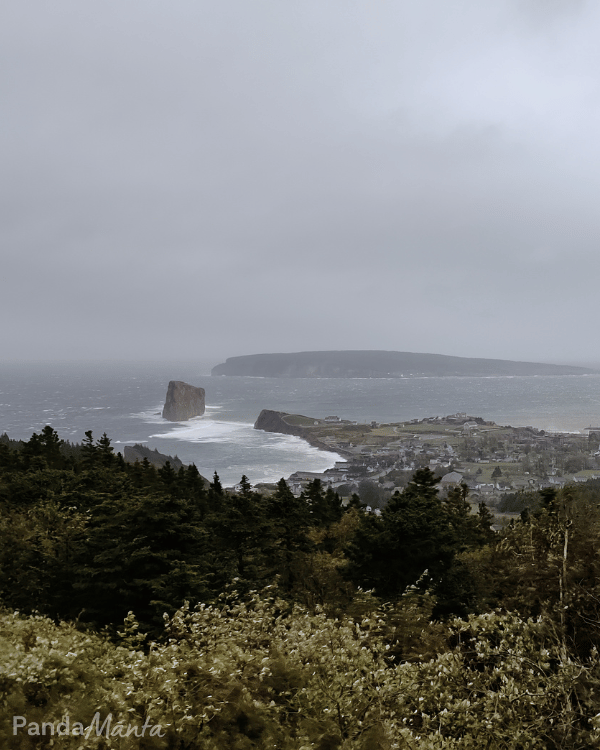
[(325, 507), (6, 457), (105, 451), (89, 451), (31, 453), (237, 524), (215, 485), (245, 487), (145, 553), (485, 519), (411, 536), (288, 523), (332, 507), (51, 445), (468, 529), (193, 485), (167, 475), (215, 495)]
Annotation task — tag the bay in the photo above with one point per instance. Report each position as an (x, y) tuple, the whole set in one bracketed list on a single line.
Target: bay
[(125, 399)]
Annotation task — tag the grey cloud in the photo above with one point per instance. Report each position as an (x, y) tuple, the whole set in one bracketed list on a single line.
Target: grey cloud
[(263, 176)]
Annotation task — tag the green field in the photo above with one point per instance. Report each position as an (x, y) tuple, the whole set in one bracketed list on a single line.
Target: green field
[(298, 420)]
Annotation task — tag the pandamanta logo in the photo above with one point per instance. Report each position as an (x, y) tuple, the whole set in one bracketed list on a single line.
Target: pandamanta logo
[(64, 728)]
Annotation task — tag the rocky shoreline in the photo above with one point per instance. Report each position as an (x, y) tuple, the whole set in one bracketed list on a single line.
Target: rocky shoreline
[(491, 460), (275, 421)]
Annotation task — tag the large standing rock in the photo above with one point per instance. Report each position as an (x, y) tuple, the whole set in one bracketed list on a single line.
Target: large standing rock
[(183, 402)]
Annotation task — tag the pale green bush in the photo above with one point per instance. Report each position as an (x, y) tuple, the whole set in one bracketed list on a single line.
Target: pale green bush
[(260, 674)]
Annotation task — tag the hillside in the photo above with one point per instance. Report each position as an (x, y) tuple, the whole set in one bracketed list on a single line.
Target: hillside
[(381, 364)]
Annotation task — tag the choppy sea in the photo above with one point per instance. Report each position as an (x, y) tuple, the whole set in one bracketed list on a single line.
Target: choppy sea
[(125, 399)]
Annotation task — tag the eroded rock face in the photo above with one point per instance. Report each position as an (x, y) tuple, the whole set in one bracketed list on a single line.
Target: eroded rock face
[(273, 421), (183, 402)]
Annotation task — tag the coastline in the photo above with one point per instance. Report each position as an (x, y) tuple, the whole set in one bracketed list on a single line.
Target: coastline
[(490, 459), (274, 421)]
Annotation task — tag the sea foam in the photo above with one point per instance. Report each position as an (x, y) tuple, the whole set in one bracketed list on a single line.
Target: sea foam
[(202, 430)]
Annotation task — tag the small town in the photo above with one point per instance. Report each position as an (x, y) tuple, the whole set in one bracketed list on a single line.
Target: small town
[(496, 463)]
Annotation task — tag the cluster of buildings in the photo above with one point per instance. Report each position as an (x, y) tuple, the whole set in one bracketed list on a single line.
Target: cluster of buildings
[(490, 460)]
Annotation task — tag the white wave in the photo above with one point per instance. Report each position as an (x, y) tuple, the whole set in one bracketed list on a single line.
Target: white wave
[(202, 430), (210, 431), (274, 470), (290, 444), (154, 416)]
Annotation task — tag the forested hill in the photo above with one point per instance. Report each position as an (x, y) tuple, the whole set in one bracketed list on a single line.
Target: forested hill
[(380, 364), (243, 620)]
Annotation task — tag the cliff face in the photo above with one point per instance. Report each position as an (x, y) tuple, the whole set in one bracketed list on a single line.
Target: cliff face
[(183, 402), (273, 421)]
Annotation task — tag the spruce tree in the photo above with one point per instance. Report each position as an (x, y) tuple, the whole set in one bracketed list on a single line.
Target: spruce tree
[(237, 526), (89, 451), (412, 536), (325, 507), (145, 553), (105, 451), (288, 519)]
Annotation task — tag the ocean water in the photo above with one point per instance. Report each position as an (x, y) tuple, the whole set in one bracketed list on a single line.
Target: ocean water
[(125, 399)]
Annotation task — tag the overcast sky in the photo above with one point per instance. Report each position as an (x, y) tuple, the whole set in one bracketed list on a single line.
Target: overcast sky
[(192, 178)]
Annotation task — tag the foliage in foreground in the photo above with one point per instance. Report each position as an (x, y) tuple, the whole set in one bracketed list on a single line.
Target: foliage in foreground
[(259, 673), (313, 662)]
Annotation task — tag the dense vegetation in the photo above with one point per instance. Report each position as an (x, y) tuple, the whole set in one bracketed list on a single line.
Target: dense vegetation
[(307, 625)]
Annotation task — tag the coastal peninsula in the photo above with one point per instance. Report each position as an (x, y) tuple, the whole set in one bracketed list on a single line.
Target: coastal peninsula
[(495, 462)]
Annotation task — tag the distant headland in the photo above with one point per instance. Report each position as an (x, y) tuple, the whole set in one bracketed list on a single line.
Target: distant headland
[(382, 364)]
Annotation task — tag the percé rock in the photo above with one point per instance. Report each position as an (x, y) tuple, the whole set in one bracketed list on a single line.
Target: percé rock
[(183, 402), (381, 364)]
